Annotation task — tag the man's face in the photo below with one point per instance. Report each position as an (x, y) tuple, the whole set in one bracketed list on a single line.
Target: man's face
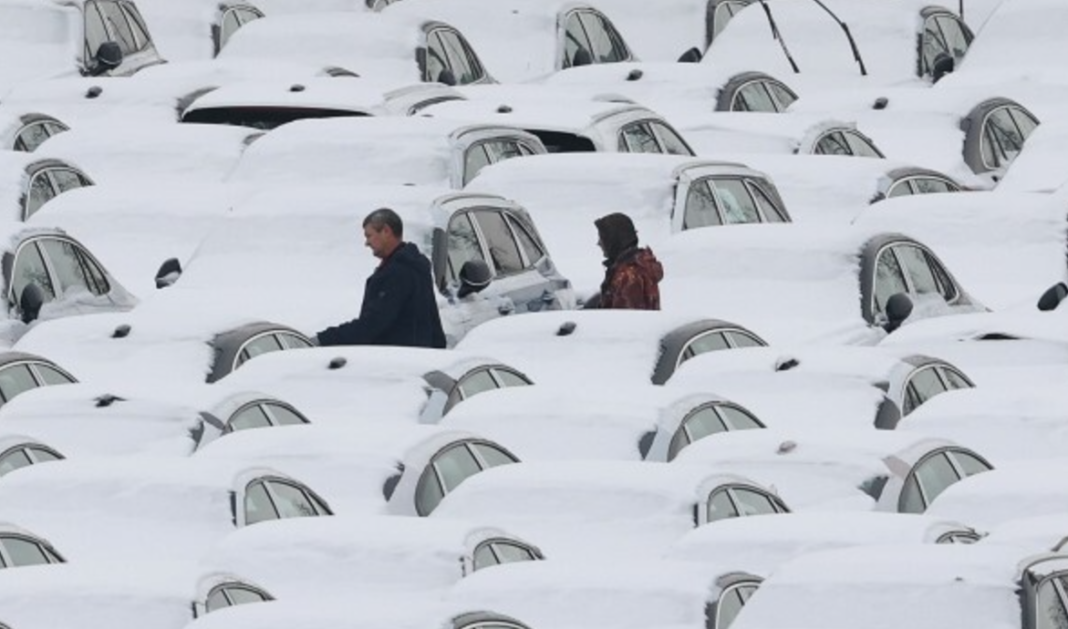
[(381, 241)]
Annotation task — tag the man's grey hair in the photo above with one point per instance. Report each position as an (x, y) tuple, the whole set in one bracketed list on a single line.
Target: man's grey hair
[(383, 217)]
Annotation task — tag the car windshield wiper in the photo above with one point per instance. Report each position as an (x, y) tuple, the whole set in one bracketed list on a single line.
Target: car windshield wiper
[(849, 36), (778, 35)]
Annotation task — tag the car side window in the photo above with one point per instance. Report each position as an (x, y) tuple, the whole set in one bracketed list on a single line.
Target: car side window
[(136, 24), (498, 551), (780, 95), (281, 415), (478, 382), (118, 26), (30, 268), (41, 192), (291, 341), (24, 552), (504, 252), (15, 380), (52, 376), (934, 475), (68, 179), (916, 267), (34, 134), (966, 463), (932, 44), (606, 46), (274, 499), (670, 140), (475, 159), (436, 60), (251, 416), (956, 36), (954, 379), (860, 146), (922, 385), (699, 424), (750, 502), (833, 143), (13, 459), (738, 205), (701, 208), (769, 211), (461, 59), (753, 96), (452, 466), (529, 246), (931, 185), (720, 506), (576, 43), (1051, 603), (463, 244), (737, 419), (637, 137), (889, 279), (730, 604), (234, 18), (230, 594), (706, 342), (95, 31), (722, 15), (737, 338), (509, 378), (1003, 140), (262, 344), (71, 268)]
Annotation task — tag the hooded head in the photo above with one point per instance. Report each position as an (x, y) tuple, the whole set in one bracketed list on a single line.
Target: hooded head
[(617, 234)]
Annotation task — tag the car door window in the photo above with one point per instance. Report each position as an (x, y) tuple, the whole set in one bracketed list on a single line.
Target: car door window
[(954, 379), (1003, 137), (933, 44), (455, 465), (731, 602), (860, 146), (436, 59), (283, 416), (460, 60), (576, 43), (477, 382), (738, 206), (509, 553), (637, 137), (41, 192), (720, 507), (922, 385), (701, 209), (916, 268), (741, 339), (51, 376), (33, 135), (935, 475), (967, 463), (750, 502), (30, 268), (833, 144), (248, 418), (463, 244), (753, 96), (475, 159), (530, 247), (484, 557), (13, 460), (24, 552), (1024, 121), (672, 143), (95, 31), (492, 456), (900, 188), (737, 419), (291, 501), (70, 272), (605, 44), (956, 38), (15, 380), (509, 378), (67, 179), (770, 212), (291, 341), (262, 344), (228, 26), (1051, 608), (118, 27), (701, 424), (504, 252), (781, 96), (930, 185), (707, 342), (889, 279)]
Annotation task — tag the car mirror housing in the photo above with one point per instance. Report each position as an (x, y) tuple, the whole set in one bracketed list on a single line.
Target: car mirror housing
[(943, 65), (168, 272), (108, 57), (692, 55), (898, 308), (30, 302), (1053, 296), (475, 275)]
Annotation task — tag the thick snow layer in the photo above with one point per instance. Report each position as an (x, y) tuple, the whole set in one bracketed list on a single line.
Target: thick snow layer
[(351, 559), (45, 38), (888, 586), (1037, 168), (131, 154), (1009, 492), (183, 31), (1042, 533), (725, 132), (369, 44), (14, 182), (658, 32), (760, 545), (1000, 55)]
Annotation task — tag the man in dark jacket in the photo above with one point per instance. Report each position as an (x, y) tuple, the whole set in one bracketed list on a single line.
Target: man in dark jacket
[(399, 305), (632, 274)]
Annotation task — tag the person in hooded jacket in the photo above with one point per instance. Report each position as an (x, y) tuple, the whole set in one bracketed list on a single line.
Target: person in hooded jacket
[(632, 274), (399, 304)]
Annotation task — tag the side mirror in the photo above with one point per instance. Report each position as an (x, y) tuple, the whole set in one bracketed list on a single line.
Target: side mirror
[(30, 302), (447, 77), (943, 65), (1053, 296), (108, 57), (898, 308), (168, 272), (474, 276), (581, 57), (692, 55)]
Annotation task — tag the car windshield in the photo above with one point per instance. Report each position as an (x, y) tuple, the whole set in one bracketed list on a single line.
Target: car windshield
[(265, 118)]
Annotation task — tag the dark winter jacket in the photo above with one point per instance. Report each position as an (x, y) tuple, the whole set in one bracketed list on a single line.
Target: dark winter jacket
[(632, 275), (399, 306)]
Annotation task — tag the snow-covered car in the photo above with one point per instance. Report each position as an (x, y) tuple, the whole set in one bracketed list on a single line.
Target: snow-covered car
[(614, 509), (42, 40), (761, 545), (371, 45), (620, 593), (609, 348), (21, 372), (523, 40), (837, 283), (661, 194), (486, 255), (26, 131), (850, 469), (19, 548), (358, 560), (343, 385), (401, 612), (400, 469), (17, 451), (1028, 488), (920, 586), (30, 180), (268, 104), (801, 134), (196, 29), (391, 150), (642, 422), (914, 41), (566, 122)]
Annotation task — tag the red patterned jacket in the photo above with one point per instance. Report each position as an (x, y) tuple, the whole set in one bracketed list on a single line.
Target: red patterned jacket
[(632, 281)]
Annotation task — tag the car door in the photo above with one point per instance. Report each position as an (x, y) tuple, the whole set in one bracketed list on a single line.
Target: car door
[(905, 267), (64, 271), (118, 21)]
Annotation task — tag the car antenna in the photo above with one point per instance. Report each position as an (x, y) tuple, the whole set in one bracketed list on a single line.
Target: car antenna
[(777, 35), (849, 36)]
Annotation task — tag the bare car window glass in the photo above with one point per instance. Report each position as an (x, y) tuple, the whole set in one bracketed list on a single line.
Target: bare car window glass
[(15, 380), (673, 144), (251, 417), (738, 206), (478, 382), (463, 244), (503, 249), (13, 460), (30, 268), (25, 553), (935, 476), (638, 138), (720, 507), (889, 279), (51, 375), (701, 208)]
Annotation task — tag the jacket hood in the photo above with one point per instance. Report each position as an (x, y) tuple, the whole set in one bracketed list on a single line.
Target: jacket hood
[(617, 234)]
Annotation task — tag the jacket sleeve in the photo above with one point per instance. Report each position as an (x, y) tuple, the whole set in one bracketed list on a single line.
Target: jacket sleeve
[(628, 289), (379, 311)]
